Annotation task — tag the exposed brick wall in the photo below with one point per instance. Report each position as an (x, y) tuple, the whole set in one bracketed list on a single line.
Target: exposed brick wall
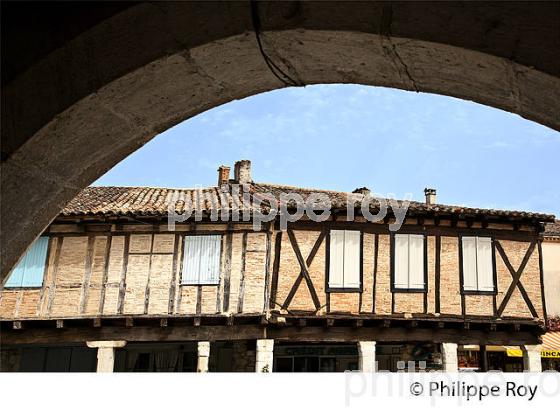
[(369, 264), (450, 294), (68, 290), (383, 298)]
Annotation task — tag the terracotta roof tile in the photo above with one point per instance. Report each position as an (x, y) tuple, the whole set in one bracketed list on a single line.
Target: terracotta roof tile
[(147, 201), (552, 229)]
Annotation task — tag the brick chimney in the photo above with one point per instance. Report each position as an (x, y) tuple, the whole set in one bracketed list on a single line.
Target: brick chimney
[(430, 194), (242, 172), (223, 175), (363, 190)]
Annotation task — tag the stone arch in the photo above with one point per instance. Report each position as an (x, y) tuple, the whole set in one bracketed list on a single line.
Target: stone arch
[(94, 95)]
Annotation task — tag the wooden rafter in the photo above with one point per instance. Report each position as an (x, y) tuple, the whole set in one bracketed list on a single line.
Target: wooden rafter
[(516, 275), (304, 273)]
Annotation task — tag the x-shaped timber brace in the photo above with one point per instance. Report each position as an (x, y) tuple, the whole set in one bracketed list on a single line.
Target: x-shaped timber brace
[(304, 273), (516, 275)]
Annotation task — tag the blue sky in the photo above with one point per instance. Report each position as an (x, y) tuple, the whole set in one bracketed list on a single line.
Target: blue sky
[(342, 137)]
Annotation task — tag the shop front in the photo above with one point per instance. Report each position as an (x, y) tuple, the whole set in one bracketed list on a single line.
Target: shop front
[(315, 358)]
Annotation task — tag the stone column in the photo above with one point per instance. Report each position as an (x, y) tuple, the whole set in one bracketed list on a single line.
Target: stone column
[(203, 357), (265, 356), (449, 353), (106, 353), (366, 355), (532, 358)]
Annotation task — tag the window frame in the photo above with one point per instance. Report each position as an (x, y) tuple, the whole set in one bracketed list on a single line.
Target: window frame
[(343, 289), (461, 269), (395, 289), (5, 285), (182, 260)]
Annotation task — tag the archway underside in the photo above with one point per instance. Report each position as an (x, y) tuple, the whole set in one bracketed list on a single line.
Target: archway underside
[(97, 131)]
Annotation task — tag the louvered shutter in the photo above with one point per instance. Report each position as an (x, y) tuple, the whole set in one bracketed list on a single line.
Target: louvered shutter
[(401, 261), (201, 263), (336, 259), (484, 264), (352, 259), (29, 271), (469, 263), (416, 262)]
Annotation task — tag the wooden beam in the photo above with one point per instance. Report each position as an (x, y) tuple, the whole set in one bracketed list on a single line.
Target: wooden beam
[(358, 323), (135, 334), (301, 322), (122, 282), (97, 322), (87, 273), (399, 334), (275, 269), (241, 294), (129, 322)]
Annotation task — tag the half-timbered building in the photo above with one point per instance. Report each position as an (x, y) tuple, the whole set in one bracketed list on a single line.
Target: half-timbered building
[(110, 285)]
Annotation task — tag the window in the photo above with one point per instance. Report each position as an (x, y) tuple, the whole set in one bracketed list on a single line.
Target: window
[(201, 262), (478, 266), (28, 273), (409, 262), (345, 260)]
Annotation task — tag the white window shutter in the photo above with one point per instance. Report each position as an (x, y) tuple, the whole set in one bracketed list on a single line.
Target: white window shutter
[(416, 262), (401, 262), (469, 263), (201, 263), (336, 259), (352, 259), (484, 264)]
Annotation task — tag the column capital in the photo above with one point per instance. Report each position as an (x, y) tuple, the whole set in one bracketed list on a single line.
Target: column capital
[(204, 349), (265, 344), (532, 358), (100, 344), (532, 348)]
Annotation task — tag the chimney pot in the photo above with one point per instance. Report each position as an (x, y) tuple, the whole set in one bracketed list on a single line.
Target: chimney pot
[(430, 194), (242, 172), (223, 175), (363, 190)]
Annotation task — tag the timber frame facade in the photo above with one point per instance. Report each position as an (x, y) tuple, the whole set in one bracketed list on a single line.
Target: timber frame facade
[(117, 277)]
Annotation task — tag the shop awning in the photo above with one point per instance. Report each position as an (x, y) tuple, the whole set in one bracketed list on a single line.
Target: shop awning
[(550, 350)]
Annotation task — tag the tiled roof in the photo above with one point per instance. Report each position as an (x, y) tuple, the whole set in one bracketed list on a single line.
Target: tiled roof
[(148, 201), (552, 229)]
